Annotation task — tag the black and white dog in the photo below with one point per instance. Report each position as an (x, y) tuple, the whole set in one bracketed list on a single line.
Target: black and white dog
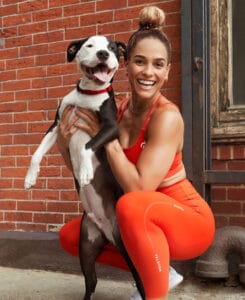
[(98, 59)]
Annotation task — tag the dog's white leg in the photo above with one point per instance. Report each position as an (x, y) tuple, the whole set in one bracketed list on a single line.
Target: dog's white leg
[(86, 168), (47, 142)]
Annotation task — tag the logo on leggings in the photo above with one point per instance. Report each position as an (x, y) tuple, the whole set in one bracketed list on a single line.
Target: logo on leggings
[(159, 266)]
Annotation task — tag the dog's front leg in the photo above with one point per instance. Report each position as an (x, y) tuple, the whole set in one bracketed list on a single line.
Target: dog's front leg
[(110, 128), (47, 142)]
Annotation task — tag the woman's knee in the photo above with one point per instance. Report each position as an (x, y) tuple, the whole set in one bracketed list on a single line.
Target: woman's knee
[(128, 206), (69, 236)]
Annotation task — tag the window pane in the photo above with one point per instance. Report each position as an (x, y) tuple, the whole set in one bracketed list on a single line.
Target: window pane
[(238, 36)]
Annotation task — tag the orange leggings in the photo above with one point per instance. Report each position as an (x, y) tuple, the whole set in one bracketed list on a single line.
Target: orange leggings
[(172, 223)]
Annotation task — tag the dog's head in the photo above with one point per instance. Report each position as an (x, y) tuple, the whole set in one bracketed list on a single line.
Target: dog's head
[(97, 57)]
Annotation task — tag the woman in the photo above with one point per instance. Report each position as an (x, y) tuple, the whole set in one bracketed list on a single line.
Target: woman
[(160, 215)]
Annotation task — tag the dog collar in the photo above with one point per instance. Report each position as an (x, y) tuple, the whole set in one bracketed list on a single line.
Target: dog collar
[(92, 92)]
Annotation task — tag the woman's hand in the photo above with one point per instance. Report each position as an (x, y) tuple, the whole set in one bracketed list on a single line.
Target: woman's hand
[(66, 127), (91, 124), (65, 131)]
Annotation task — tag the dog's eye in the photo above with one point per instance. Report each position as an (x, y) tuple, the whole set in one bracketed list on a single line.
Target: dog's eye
[(112, 47), (89, 46)]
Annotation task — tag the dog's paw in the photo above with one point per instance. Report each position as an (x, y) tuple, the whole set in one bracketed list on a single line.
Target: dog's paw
[(86, 169), (31, 177)]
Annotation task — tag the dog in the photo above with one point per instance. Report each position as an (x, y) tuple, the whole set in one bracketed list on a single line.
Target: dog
[(97, 59)]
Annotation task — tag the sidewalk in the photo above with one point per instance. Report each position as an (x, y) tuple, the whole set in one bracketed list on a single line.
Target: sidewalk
[(17, 284), (34, 267)]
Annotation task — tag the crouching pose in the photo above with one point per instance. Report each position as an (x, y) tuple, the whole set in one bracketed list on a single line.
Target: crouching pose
[(160, 215)]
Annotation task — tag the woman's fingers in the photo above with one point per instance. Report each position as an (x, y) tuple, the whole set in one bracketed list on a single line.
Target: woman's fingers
[(91, 124)]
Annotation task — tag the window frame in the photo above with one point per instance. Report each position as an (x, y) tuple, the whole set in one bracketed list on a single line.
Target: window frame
[(227, 120)]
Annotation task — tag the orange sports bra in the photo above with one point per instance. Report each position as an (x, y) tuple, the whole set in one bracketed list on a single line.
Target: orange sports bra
[(133, 152)]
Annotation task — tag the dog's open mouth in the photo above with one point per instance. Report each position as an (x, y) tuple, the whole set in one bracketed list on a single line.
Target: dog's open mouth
[(99, 73)]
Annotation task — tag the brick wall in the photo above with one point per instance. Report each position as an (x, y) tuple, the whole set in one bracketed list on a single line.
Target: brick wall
[(228, 201), (35, 76)]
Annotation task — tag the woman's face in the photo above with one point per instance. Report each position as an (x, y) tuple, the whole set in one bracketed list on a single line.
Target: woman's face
[(148, 68)]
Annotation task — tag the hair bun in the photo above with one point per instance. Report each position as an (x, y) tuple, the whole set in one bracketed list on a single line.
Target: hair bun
[(151, 17)]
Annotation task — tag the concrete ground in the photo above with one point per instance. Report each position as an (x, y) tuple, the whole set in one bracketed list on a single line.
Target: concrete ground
[(34, 267), (19, 284)]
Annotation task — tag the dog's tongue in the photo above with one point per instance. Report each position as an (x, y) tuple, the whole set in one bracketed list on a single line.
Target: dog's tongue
[(102, 76)]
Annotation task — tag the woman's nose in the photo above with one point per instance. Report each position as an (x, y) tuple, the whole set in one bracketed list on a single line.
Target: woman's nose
[(148, 70)]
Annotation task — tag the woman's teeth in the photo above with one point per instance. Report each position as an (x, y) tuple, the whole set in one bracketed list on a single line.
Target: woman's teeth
[(146, 82)]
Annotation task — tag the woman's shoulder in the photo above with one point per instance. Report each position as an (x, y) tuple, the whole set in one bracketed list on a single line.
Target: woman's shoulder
[(167, 114)]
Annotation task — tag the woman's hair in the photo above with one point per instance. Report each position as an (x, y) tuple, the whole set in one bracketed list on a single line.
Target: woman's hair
[(151, 20)]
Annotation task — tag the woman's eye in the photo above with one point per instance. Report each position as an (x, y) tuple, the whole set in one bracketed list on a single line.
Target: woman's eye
[(159, 65), (139, 62)]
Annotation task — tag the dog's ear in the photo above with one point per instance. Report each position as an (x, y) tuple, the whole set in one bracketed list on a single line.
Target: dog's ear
[(73, 48), (122, 49)]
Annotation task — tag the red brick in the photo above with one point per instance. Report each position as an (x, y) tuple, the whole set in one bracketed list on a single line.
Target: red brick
[(32, 73), (8, 10), (18, 216), (8, 75), (7, 226), (236, 165), (35, 5), (19, 41), (78, 33), (120, 26), (16, 19), (11, 106), (218, 193), (45, 195), (31, 227), (64, 23), (239, 152), (31, 205), (51, 59), (237, 221), (227, 208), (48, 14), (48, 37), (62, 207), (20, 63), (6, 204), (236, 193), (31, 94), (11, 53), (80, 9), (11, 129), (47, 218), (221, 221), (46, 82), (16, 85), (96, 18), (55, 3), (32, 28), (110, 5), (34, 50), (226, 152)]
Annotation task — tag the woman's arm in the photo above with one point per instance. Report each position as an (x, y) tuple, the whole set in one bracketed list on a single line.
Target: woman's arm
[(164, 140)]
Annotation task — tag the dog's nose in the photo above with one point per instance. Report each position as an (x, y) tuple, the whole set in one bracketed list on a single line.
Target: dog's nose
[(102, 55)]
